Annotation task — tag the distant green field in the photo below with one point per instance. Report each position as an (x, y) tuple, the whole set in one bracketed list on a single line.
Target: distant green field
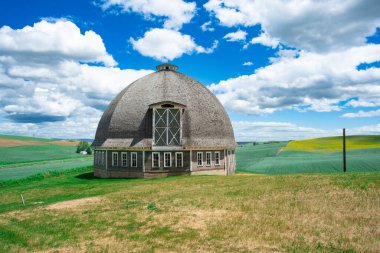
[(24, 138), (248, 155), (43, 149), (44, 155), (17, 172), (22, 154), (278, 158), (333, 144)]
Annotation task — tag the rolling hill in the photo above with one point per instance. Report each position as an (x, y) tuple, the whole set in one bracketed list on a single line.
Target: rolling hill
[(22, 156), (321, 155)]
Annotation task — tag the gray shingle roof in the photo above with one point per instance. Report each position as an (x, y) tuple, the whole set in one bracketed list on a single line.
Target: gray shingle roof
[(127, 121)]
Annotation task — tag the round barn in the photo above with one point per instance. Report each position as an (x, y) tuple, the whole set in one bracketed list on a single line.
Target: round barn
[(164, 124)]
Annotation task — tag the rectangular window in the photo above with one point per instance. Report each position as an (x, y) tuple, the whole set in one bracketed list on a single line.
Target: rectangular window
[(217, 158), (124, 159), (156, 160), (200, 159), (208, 158), (167, 159), (134, 159), (114, 159), (179, 159)]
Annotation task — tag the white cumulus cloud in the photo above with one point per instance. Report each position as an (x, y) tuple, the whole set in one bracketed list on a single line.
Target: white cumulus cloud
[(165, 44), (239, 35), (207, 27), (311, 25), (266, 40), (310, 81), (175, 12), (46, 86), (362, 114), (59, 39)]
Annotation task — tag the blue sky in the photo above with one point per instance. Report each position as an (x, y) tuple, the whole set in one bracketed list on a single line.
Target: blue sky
[(283, 70)]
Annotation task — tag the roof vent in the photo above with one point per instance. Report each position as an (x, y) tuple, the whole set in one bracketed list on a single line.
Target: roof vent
[(166, 66)]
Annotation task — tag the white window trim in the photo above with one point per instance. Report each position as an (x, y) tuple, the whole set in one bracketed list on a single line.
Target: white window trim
[(201, 153), (170, 162), (217, 164), (159, 162), (117, 159), (176, 164), (126, 159), (208, 165), (133, 153)]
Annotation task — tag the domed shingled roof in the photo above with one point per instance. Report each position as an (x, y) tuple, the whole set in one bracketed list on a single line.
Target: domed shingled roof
[(127, 121)]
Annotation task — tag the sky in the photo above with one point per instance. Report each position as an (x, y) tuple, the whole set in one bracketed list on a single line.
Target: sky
[(282, 69)]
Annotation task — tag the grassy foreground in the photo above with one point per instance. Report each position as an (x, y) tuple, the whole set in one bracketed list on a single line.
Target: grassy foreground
[(243, 213)]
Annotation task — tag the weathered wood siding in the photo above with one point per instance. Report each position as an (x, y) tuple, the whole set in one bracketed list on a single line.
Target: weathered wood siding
[(194, 161)]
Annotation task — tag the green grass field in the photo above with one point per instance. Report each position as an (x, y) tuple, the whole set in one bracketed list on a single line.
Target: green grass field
[(75, 212), (310, 156), (38, 155), (68, 210), (13, 172), (26, 154)]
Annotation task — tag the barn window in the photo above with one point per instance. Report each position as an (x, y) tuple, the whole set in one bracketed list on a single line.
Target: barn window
[(179, 159), (208, 158), (114, 159), (200, 159), (167, 159), (124, 159), (156, 160), (217, 158), (134, 159), (167, 127)]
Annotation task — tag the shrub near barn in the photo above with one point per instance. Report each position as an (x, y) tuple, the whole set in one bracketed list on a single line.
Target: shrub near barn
[(84, 146)]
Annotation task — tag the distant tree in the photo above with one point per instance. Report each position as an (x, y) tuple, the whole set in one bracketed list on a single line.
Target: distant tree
[(89, 150), (84, 146)]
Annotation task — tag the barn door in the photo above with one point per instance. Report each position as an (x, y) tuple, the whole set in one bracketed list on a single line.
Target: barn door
[(167, 127)]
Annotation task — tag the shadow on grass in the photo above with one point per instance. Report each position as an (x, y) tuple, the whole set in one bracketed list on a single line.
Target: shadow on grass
[(91, 176), (87, 176)]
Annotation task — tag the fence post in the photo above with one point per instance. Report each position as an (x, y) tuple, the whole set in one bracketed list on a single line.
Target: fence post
[(344, 150), (22, 200)]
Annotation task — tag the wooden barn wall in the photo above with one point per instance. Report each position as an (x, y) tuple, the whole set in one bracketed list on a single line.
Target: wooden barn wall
[(173, 168), (195, 166), (128, 167)]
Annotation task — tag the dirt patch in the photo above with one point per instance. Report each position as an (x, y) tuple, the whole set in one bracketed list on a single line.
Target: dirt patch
[(75, 204), (65, 143), (15, 143), (198, 219)]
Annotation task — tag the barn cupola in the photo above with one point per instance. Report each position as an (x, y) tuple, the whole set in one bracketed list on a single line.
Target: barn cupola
[(166, 66)]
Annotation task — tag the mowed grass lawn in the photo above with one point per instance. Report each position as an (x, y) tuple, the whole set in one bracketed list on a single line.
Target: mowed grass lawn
[(242, 213)]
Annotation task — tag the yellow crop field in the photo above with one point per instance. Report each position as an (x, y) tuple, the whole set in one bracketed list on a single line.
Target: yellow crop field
[(334, 144)]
